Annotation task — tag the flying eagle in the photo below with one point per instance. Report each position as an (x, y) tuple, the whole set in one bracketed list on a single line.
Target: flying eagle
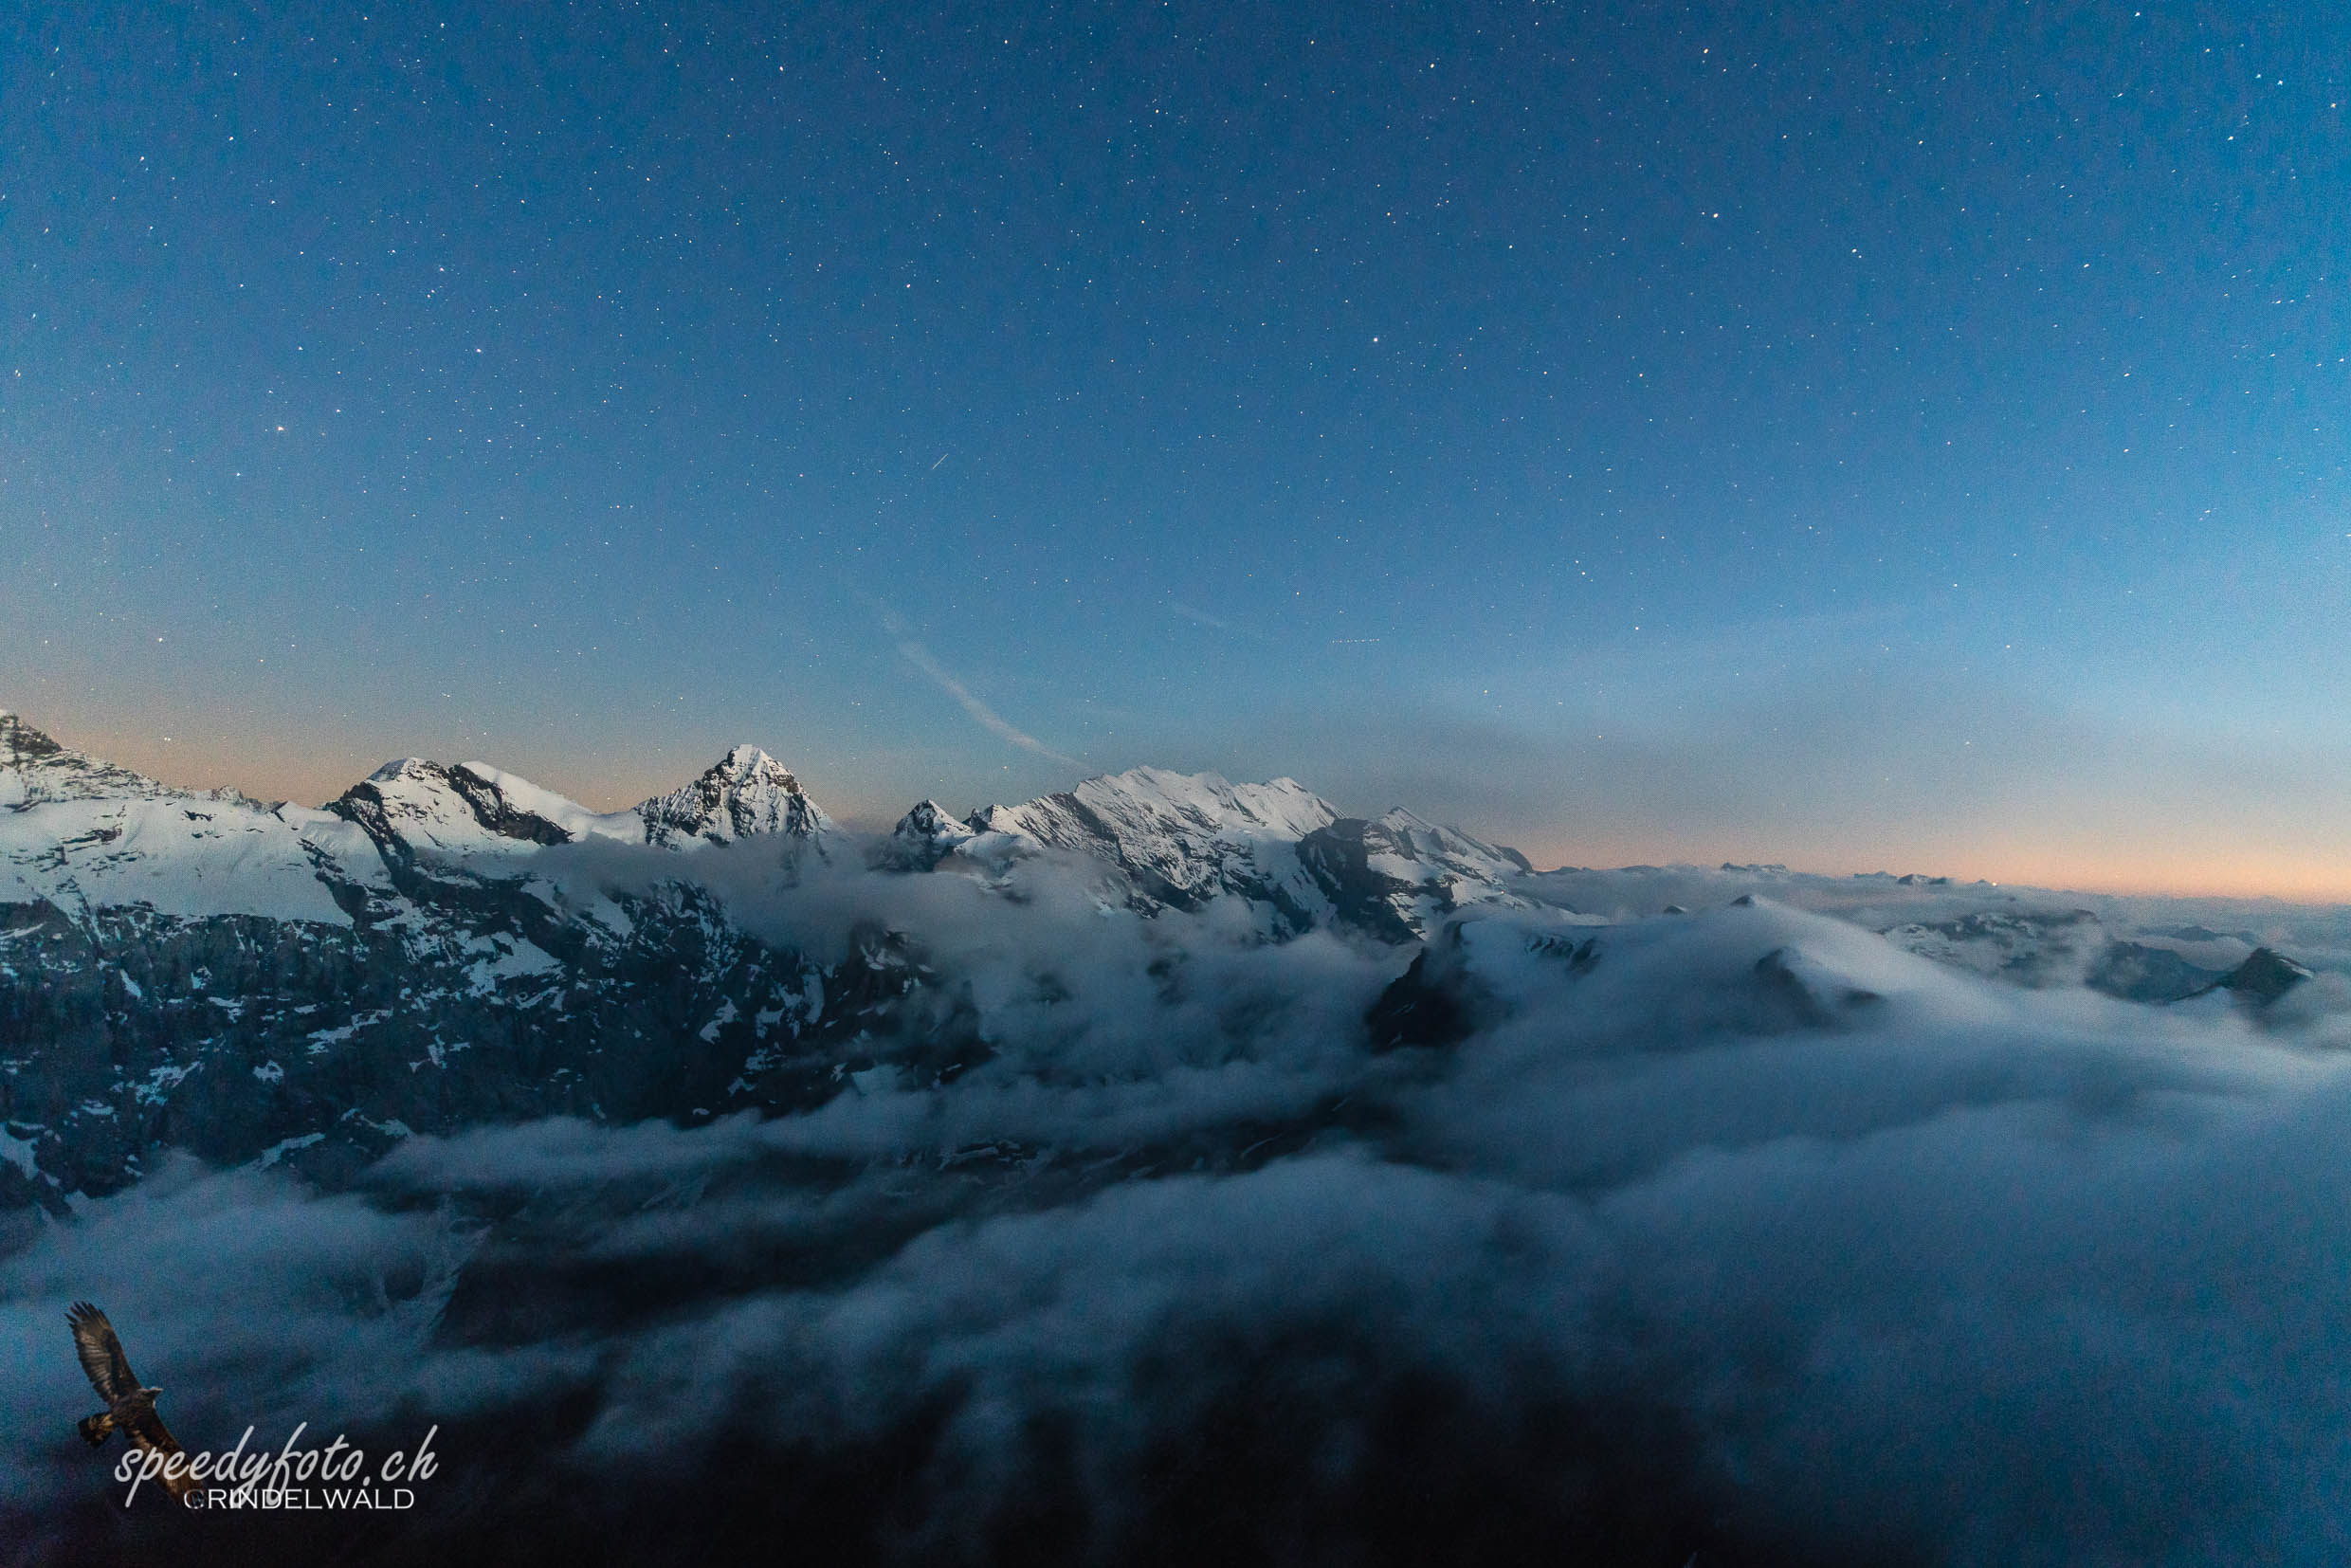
[(130, 1409)]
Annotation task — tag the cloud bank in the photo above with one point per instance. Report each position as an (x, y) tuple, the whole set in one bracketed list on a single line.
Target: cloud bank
[(1741, 1235)]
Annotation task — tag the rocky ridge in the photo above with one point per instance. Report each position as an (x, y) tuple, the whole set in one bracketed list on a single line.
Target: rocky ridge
[(273, 983), (442, 946)]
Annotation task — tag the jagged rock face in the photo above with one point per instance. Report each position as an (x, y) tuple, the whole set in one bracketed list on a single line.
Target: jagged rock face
[(1396, 876), (240, 1038), (21, 745), (922, 838), (1435, 1002), (748, 793)]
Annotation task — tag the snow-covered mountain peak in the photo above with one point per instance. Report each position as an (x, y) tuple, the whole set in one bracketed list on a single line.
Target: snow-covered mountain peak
[(1396, 875), (745, 793), (745, 760), (1206, 802), (929, 816), (1149, 817), (1179, 838), (79, 833), (1184, 838), (411, 804), (922, 838), (472, 808)]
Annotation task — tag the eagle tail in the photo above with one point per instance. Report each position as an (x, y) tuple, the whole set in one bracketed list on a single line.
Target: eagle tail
[(95, 1430)]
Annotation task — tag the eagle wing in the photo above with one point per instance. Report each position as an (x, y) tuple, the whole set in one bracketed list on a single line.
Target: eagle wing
[(102, 1354), (147, 1432)]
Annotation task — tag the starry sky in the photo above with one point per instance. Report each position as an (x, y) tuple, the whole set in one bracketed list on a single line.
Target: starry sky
[(1854, 436)]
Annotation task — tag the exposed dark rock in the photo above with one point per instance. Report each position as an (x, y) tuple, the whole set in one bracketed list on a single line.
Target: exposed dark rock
[(1338, 858), (21, 743), (2263, 977), (1798, 1001), (922, 838), (235, 1036), (1421, 1007)]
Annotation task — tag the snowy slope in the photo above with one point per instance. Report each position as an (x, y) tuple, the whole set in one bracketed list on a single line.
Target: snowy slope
[(413, 806), (35, 768), (574, 819), (474, 816), (1180, 839), (81, 833), (1183, 839), (1398, 875), (86, 834)]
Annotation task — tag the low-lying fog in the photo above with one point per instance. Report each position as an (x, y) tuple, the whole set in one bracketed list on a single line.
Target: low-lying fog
[(1741, 1233)]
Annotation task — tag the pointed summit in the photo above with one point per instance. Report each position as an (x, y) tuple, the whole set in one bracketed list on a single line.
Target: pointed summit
[(922, 838), (747, 793)]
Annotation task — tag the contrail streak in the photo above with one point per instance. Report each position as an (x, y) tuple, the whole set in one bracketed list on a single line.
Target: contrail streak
[(919, 656)]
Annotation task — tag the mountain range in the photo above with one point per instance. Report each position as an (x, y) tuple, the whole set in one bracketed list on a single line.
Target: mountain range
[(444, 947), (266, 981)]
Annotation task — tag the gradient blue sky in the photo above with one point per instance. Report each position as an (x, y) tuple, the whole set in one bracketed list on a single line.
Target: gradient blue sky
[(1849, 435)]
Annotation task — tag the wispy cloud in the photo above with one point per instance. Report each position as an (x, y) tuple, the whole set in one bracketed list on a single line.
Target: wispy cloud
[(921, 657), (1200, 615)]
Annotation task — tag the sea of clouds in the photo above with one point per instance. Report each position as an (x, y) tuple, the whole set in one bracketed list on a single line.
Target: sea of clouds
[(1739, 1235)]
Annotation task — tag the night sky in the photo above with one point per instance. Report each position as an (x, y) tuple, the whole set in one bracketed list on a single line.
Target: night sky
[(1854, 436)]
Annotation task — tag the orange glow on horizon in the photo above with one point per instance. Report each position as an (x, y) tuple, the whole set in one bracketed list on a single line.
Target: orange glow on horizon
[(2180, 872)]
